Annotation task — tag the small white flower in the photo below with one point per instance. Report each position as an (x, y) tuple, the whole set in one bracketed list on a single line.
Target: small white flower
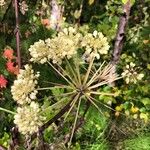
[(24, 87), (2, 2), (130, 75), (140, 76), (132, 64), (95, 33), (28, 118), (95, 43)]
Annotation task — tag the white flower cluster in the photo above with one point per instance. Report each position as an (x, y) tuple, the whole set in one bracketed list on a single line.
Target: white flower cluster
[(130, 75), (2, 2), (95, 44), (23, 89), (39, 52), (55, 49), (66, 43), (28, 118)]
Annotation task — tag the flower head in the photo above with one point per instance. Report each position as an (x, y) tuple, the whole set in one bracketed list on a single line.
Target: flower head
[(39, 52), (29, 118), (130, 74), (12, 68), (95, 44), (8, 53), (65, 44), (45, 22), (2, 2), (24, 88), (3, 82)]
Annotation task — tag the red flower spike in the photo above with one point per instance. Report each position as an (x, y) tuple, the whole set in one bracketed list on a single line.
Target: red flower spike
[(11, 68), (3, 82), (8, 53)]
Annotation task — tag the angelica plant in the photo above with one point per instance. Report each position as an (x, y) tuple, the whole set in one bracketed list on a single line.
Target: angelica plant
[(74, 57)]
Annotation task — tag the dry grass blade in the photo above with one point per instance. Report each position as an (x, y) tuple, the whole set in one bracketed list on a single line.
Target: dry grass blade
[(78, 71), (88, 71), (75, 121), (102, 93), (67, 74), (55, 87), (73, 72), (89, 98), (105, 105), (72, 105), (94, 77), (103, 83), (62, 75)]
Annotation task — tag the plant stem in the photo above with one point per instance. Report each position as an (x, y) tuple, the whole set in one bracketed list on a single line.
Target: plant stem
[(121, 32), (8, 111), (17, 34), (75, 122), (88, 71)]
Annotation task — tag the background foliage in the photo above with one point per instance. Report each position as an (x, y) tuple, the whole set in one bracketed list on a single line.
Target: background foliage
[(128, 122)]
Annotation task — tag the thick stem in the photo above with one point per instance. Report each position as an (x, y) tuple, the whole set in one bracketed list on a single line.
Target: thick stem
[(14, 139), (120, 37), (55, 118), (17, 34), (56, 15), (8, 111), (121, 33)]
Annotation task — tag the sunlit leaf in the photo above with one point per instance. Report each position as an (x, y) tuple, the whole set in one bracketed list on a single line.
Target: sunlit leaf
[(91, 2)]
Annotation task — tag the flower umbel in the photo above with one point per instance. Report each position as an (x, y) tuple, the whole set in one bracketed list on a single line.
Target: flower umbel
[(24, 88), (130, 74), (95, 44), (29, 118), (65, 44), (39, 52)]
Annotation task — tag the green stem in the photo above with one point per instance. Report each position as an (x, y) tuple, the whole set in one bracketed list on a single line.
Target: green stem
[(88, 71), (8, 111)]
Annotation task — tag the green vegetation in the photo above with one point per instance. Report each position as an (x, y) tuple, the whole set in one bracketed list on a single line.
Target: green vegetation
[(81, 80)]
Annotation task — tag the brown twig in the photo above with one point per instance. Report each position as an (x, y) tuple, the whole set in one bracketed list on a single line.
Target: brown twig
[(16, 31), (119, 41), (82, 119), (55, 118), (80, 122), (121, 33), (41, 145), (14, 140)]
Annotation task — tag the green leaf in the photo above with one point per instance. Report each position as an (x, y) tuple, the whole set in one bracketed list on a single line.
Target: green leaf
[(145, 101), (124, 1), (131, 1), (91, 2)]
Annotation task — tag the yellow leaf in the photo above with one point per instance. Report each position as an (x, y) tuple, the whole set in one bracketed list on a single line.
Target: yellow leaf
[(119, 108), (145, 41), (117, 113), (91, 2), (148, 66), (144, 116), (134, 109)]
